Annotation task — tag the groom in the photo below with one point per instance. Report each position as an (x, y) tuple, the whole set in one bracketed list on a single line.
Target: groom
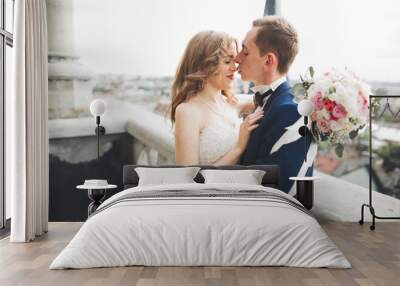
[(268, 50)]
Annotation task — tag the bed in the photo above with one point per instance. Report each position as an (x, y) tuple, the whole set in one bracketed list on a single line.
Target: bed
[(201, 224)]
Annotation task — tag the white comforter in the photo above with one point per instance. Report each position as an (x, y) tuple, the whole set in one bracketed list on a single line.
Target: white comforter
[(200, 231)]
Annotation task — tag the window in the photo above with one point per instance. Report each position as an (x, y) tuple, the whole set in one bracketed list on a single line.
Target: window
[(6, 43)]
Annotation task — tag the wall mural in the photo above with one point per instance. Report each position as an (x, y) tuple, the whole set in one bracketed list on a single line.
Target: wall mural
[(90, 59), (126, 68)]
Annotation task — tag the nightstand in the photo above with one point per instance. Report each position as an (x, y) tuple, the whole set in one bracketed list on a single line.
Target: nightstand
[(96, 194), (305, 190)]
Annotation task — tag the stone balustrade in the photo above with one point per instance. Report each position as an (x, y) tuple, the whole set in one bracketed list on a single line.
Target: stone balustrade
[(335, 198)]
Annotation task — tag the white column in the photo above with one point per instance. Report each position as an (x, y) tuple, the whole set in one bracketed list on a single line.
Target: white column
[(70, 85)]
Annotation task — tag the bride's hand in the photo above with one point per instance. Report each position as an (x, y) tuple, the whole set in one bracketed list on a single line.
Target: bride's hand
[(248, 125)]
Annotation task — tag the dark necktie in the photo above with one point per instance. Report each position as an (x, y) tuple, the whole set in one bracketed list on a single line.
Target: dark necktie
[(259, 98)]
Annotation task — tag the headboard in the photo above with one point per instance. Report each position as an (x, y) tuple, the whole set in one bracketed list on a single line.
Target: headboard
[(271, 178)]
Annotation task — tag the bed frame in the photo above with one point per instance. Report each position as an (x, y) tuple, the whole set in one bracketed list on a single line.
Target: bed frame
[(271, 178)]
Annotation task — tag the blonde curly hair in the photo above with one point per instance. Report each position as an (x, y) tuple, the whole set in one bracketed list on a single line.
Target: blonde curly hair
[(200, 60)]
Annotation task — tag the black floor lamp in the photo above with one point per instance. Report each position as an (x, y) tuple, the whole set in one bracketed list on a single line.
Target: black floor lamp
[(305, 185), (305, 108), (96, 188)]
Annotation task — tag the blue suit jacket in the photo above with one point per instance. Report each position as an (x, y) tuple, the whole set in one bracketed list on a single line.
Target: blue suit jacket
[(279, 113)]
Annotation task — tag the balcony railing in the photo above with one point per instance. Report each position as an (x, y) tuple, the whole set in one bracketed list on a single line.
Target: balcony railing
[(335, 199)]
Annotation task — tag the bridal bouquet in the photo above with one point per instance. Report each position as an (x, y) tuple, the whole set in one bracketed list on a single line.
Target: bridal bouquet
[(340, 105)]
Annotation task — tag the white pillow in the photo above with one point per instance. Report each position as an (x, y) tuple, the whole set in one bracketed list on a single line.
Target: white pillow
[(164, 176), (249, 177)]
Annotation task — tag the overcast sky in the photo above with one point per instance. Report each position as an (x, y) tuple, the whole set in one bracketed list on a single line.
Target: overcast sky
[(363, 35), (148, 37)]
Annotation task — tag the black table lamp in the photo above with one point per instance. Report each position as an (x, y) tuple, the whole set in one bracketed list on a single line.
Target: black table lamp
[(97, 109), (305, 107)]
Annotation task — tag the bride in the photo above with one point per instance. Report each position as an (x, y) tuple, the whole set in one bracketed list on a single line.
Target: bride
[(206, 115)]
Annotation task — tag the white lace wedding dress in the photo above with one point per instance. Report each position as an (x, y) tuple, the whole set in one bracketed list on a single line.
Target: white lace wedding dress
[(218, 138)]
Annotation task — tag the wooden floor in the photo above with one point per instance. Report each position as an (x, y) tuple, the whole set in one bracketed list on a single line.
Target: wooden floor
[(374, 255)]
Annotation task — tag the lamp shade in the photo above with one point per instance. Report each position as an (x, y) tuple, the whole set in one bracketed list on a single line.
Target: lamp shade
[(97, 107), (305, 107)]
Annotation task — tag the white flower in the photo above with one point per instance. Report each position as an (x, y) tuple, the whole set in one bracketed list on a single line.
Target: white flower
[(335, 126), (323, 84), (323, 114)]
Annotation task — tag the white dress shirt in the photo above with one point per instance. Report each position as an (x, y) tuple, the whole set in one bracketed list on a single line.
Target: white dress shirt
[(264, 88)]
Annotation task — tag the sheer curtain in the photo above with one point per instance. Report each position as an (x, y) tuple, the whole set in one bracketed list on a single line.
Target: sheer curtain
[(27, 150)]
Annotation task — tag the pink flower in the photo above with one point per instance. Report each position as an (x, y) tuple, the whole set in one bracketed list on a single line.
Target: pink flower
[(339, 111), (317, 101), (323, 126), (329, 104), (362, 101)]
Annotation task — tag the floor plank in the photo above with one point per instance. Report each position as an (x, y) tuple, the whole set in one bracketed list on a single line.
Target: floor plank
[(374, 255)]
